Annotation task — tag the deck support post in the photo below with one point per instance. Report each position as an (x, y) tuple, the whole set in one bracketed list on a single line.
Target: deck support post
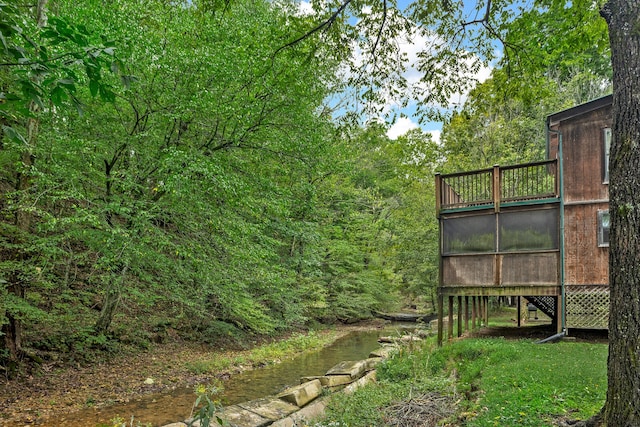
[(557, 315), (466, 313), (440, 318), (474, 312), (450, 323), (486, 311), (459, 316), (519, 315)]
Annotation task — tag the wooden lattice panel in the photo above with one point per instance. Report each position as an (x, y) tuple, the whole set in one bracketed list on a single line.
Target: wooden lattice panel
[(587, 307)]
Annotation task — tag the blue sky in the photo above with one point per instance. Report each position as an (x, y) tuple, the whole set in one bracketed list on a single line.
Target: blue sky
[(407, 117), (411, 120)]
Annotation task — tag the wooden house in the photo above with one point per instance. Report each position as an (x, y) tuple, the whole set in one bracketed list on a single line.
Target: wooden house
[(537, 230)]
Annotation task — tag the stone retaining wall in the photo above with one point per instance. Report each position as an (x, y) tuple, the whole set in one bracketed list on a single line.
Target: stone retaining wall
[(304, 402)]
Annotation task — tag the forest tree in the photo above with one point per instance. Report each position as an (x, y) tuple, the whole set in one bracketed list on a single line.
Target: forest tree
[(457, 41), (622, 407)]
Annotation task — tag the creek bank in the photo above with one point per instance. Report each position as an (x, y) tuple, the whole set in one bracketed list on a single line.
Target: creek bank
[(56, 391), (302, 403)]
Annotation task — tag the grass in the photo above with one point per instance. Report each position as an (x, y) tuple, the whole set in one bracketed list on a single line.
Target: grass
[(539, 383), (263, 355), (497, 382)]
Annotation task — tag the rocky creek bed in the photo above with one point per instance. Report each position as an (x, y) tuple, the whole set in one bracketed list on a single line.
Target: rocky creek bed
[(56, 391)]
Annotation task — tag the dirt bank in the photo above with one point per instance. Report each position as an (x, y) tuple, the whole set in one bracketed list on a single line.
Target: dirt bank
[(57, 390)]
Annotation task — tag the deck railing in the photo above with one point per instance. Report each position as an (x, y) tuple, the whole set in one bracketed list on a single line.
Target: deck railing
[(491, 187)]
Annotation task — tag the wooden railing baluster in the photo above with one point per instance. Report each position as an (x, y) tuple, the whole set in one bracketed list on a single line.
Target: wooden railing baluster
[(491, 187)]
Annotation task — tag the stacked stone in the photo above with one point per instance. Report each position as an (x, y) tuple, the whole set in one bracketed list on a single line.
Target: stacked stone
[(302, 402)]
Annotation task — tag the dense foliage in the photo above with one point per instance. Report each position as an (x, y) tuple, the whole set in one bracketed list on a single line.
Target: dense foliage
[(555, 57), (177, 168), (196, 185)]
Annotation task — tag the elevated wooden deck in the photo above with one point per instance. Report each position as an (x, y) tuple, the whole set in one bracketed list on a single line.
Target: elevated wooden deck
[(499, 235), (529, 183)]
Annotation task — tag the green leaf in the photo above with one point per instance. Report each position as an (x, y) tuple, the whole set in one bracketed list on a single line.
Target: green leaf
[(77, 104), (106, 94), (58, 96), (14, 135), (94, 86), (67, 82), (4, 42)]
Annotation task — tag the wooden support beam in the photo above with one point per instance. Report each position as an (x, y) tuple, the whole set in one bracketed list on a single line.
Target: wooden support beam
[(474, 312), (519, 316), (466, 313), (496, 188), (459, 316), (505, 290), (440, 318), (558, 314), (450, 323), (486, 311), (438, 194)]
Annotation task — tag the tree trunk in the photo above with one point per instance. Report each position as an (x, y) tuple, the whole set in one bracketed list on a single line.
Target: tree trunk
[(109, 307), (110, 303), (12, 330), (622, 407)]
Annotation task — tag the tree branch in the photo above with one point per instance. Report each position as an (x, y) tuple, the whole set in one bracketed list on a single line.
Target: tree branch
[(324, 24), (50, 60), (484, 20), (382, 24)]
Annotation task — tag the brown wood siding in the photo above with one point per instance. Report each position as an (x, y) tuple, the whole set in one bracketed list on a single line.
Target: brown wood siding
[(582, 145), (468, 270), (530, 269), (585, 262), (584, 191), (514, 269)]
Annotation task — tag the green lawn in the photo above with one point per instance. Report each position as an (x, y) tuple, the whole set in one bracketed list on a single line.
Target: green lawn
[(527, 384), (496, 382)]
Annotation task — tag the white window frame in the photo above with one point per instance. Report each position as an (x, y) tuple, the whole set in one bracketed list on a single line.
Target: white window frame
[(604, 223), (606, 133)]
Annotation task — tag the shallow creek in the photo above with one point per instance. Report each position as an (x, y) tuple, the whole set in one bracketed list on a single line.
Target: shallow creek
[(175, 405)]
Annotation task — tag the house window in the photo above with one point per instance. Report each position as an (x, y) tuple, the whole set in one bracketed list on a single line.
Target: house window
[(603, 228), (605, 158)]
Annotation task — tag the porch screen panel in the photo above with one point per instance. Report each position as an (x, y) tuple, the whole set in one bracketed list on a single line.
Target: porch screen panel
[(528, 230), (469, 234)]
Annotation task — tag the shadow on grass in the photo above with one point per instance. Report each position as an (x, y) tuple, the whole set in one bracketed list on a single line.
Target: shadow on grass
[(538, 332)]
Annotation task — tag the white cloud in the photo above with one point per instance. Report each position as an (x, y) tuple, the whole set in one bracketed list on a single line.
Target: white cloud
[(305, 8), (400, 127), (405, 124), (435, 135), (412, 45), (459, 99)]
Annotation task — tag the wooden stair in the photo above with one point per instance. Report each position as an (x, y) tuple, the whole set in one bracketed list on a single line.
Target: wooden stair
[(546, 304)]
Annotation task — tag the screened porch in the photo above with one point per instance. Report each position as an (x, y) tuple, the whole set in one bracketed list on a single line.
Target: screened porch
[(500, 232)]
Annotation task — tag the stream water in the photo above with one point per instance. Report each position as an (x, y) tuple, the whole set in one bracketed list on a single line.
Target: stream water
[(168, 407)]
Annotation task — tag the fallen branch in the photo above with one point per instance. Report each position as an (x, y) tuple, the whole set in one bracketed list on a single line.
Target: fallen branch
[(424, 411)]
